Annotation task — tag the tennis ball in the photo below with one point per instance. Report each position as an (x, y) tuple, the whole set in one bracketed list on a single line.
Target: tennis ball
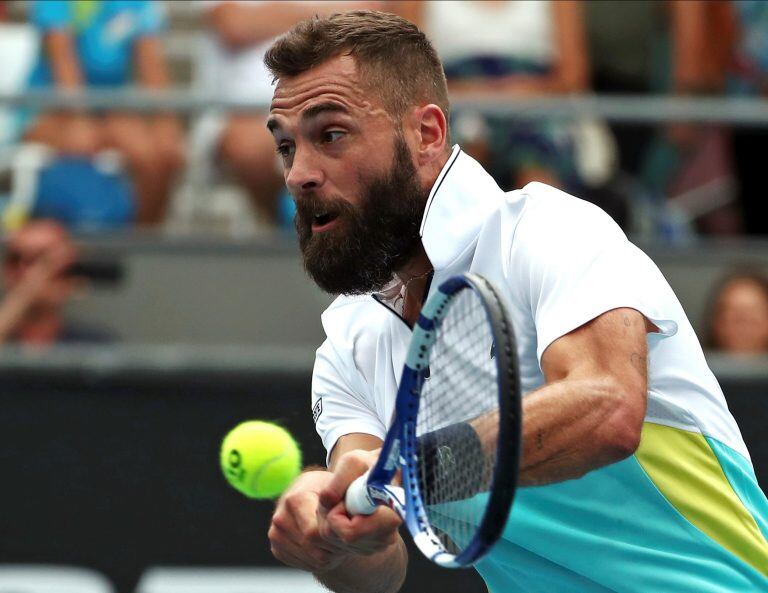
[(260, 459)]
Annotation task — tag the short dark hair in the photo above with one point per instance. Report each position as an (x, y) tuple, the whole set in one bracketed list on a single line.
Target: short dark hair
[(395, 58)]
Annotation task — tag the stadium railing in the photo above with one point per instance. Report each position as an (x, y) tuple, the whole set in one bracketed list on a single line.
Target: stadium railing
[(647, 109)]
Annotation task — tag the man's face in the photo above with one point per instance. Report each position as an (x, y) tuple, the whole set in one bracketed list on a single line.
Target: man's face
[(358, 200), (41, 249)]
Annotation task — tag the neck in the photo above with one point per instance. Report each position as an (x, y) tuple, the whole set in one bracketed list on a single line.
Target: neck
[(418, 265), (415, 277)]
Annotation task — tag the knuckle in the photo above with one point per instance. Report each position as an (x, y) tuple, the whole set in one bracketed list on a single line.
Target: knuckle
[(347, 537), (295, 501), (313, 536), (276, 553), (291, 502), (273, 534)]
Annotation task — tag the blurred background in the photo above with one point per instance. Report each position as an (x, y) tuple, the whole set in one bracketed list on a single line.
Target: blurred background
[(152, 295)]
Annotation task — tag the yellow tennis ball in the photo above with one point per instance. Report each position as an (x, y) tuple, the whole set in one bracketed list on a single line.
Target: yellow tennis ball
[(260, 459)]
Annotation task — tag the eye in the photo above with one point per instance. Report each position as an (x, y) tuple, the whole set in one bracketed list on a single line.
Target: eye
[(330, 136), (285, 150)]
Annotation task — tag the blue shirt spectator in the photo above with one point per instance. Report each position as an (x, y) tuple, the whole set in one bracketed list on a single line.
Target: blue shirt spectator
[(104, 34)]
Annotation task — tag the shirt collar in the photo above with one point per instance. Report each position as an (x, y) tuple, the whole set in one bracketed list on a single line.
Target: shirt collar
[(462, 198)]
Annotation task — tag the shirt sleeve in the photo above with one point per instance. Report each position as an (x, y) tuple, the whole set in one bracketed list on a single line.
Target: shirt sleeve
[(338, 407), (50, 14), (151, 18), (574, 264)]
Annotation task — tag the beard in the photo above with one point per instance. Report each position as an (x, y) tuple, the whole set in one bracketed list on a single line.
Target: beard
[(370, 241)]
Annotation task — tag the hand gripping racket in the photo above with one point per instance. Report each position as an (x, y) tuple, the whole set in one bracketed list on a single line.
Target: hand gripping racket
[(456, 430)]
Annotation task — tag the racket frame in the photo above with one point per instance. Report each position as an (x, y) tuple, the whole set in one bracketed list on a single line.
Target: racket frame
[(400, 447)]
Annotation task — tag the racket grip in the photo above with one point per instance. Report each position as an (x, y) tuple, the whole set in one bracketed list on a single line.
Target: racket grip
[(357, 499)]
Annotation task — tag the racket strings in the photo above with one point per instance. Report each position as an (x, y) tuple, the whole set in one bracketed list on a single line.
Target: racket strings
[(457, 423)]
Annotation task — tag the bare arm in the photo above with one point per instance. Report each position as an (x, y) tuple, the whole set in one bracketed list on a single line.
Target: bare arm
[(591, 411), (151, 67), (311, 530), (65, 67), (240, 25), (570, 69)]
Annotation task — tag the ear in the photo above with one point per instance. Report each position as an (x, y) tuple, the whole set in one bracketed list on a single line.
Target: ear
[(431, 133)]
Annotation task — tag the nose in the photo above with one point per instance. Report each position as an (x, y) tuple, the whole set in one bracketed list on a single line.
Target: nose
[(305, 173)]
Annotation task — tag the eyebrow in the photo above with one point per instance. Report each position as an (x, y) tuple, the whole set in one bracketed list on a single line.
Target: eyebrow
[(311, 112)]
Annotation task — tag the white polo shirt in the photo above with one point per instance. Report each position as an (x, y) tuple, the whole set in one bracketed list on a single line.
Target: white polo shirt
[(684, 514), (559, 262)]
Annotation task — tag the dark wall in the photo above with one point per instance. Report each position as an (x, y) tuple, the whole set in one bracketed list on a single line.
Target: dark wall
[(120, 473)]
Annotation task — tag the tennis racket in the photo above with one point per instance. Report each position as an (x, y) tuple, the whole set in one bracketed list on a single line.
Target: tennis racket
[(456, 431)]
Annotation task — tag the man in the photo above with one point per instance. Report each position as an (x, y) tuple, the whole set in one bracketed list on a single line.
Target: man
[(635, 475), (37, 287)]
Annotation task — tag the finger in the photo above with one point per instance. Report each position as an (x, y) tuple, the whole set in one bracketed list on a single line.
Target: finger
[(289, 558), (383, 522), (350, 466), (364, 533), (305, 533), (300, 552), (382, 525)]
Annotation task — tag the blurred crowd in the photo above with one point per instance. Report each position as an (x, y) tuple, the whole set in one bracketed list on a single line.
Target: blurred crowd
[(116, 169), (664, 181)]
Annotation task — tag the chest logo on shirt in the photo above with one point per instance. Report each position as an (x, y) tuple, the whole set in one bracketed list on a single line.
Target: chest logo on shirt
[(317, 409)]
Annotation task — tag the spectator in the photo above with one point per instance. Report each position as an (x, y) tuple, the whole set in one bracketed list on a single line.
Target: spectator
[(37, 287), (108, 45), (692, 164), (738, 320), (234, 66), (511, 49)]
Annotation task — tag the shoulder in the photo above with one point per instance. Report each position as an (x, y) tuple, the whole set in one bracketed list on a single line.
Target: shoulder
[(353, 326), (352, 313), (551, 221), (550, 208)]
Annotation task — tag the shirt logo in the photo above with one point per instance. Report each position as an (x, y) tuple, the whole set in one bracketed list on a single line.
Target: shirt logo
[(317, 409)]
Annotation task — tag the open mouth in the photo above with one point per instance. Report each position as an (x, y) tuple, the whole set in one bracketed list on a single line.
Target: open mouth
[(323, 220)]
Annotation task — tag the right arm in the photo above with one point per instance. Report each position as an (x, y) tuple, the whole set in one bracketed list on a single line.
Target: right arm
[(312, 531)]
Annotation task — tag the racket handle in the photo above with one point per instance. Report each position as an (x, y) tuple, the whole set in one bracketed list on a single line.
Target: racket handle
[(357, 499)]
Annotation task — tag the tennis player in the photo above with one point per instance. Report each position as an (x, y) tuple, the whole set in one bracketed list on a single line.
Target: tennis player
[(635, 475)]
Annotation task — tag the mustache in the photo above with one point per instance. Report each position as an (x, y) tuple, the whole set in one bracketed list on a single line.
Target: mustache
[(310, 203)]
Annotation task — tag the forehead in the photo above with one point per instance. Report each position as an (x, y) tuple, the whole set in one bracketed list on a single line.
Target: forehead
[(336, 80), (741, 286)]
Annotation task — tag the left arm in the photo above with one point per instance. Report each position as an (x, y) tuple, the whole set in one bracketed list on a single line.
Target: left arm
[(590, 413)]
